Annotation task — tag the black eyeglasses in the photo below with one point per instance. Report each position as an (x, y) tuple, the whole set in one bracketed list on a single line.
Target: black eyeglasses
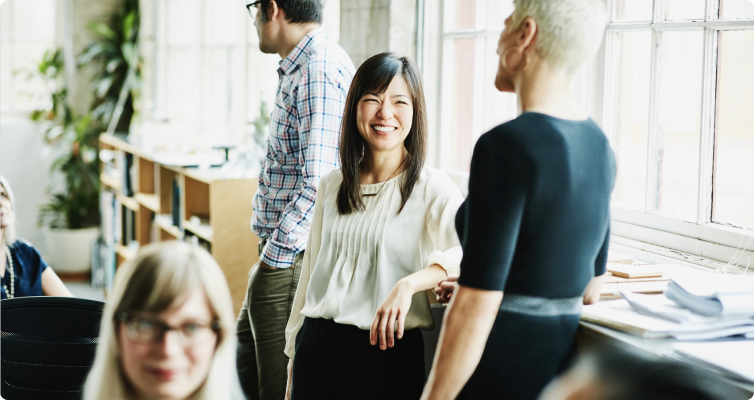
[(252, 7), (146, 330)]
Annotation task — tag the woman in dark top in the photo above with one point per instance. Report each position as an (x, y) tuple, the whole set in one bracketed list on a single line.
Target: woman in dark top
[(23, 271), (535, 225)]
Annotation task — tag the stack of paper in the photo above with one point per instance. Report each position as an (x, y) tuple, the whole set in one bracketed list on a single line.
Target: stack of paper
[(722, 295), (653, 316), (634, 278), (732, 358)]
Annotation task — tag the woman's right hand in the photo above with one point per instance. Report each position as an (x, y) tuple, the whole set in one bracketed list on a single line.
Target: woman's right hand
[(444, 289), (290, 380)]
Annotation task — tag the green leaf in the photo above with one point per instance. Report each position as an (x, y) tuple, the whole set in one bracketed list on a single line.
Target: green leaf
[(103, 86), (96, 50), (128, 24), (103, 30), (112, 65)]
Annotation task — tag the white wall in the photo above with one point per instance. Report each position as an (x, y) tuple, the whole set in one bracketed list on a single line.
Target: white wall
[(25, 162)]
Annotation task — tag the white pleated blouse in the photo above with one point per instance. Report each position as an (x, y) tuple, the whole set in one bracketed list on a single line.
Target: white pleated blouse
[(352, 262)]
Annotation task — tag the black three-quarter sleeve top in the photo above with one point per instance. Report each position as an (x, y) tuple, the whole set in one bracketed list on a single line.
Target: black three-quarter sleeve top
[(535, 225)]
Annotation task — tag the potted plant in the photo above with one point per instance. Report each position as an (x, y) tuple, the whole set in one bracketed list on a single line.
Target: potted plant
[(71, 218), (115, 49)]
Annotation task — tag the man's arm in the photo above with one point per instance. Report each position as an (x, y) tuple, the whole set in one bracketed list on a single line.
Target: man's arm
[(319, 103), (466, 327)]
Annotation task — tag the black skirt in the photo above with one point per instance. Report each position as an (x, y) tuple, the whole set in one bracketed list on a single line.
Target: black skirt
[(335, 361)]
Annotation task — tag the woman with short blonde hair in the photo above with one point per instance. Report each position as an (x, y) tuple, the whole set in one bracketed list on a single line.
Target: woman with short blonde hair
[(535, 225), (168, 287)]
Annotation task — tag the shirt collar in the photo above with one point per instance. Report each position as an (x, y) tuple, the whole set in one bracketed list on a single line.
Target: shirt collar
[(294, 59)]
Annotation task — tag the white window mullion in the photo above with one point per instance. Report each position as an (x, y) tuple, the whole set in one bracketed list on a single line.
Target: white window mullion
[(612, 53), (707, 134), (654, 141), (444, 84)]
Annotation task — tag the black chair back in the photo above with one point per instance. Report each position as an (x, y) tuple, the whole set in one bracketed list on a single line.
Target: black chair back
[(47, 346)]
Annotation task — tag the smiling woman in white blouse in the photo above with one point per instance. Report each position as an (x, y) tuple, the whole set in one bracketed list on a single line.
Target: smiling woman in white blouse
[(381, 235)]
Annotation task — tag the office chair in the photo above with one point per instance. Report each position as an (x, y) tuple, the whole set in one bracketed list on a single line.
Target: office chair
[(47, 346)]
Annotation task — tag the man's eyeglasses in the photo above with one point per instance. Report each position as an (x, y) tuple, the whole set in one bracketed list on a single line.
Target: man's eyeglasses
[(252, 7), (147, 330)]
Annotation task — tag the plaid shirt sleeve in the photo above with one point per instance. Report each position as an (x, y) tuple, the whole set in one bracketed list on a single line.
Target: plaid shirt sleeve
[(319, 103)]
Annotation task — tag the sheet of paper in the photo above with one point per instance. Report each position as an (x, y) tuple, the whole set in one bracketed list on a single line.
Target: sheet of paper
[(736, 357)]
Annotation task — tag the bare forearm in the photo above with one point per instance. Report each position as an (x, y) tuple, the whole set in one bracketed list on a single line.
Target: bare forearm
[(425, 279), (593, 289), (52, 285), (466, 327)]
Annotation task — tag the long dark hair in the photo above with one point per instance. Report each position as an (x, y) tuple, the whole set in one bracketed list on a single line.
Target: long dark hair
[(374, 76)]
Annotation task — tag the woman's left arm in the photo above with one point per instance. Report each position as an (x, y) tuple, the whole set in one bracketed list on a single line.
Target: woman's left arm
[(443, 199), (52, 285), (395, 307)]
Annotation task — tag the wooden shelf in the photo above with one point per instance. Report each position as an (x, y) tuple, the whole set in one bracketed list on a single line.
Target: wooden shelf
[(109, 181), (125, 252), (129, 202), (169, 228), (162, 190), (204, 232), (150, 201)]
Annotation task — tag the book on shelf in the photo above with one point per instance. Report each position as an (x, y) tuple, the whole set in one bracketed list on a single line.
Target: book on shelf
[(177, 220), (197, 241), (124, 162)]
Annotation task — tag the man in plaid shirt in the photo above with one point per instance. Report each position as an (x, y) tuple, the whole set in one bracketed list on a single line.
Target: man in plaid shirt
[(315, 74)]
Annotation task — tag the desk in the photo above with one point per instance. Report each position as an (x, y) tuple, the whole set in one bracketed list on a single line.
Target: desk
[(590, 334)]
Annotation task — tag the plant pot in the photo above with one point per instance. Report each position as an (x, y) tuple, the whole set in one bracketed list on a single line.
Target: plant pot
[(69, 251)]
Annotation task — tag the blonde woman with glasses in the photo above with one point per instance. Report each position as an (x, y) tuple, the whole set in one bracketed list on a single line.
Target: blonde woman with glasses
[(167, 331)]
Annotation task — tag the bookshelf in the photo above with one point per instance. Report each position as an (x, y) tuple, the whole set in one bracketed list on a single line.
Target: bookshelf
[(145, 201)]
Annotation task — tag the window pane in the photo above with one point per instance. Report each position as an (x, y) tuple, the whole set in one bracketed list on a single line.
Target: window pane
[(183, 83), (224, 22), (28, 91), (736, 9), (496, 11), (34, 20), (684, 9), (262, 82), (462, 14), (183, 18), (6, 25), (6, 75), (497, 107), (678, 122), (632, 118), (734, 136), (633, 10), (462, 105)]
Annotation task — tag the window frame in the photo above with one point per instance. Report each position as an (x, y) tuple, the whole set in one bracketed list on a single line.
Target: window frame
[(13, 38), (703, 241)]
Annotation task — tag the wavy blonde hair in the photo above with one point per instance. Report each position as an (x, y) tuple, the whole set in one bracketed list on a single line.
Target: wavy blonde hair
[(569, 31), (9, 233), (159, 275)]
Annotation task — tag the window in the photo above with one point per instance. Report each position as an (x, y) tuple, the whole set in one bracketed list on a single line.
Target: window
[(459, 64), (22, 46), (676, 91), (205, 75), (671, 87), (459, 67)]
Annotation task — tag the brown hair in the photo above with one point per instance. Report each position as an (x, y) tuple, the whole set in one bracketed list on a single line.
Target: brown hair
[(374, 76)]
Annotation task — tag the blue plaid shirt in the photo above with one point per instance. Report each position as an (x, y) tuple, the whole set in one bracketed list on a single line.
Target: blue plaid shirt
[(303, 144)]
